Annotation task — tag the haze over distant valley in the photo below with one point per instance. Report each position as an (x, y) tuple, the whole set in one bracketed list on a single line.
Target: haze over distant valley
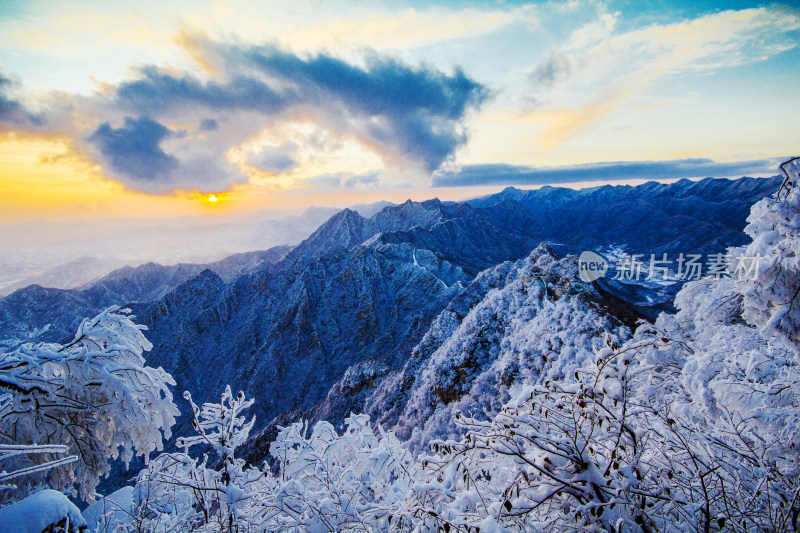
[(67, 254)]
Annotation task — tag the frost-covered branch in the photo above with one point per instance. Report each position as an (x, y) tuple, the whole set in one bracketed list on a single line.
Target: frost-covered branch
[(95, 396)]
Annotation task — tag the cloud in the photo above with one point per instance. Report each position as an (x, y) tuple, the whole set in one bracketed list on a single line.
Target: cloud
[(261, 108), (264, 108), (12, 113), (345, 180), (208, 124), (385, 87), (274, 159), (407, 115), (559, 124), (501, 174), (133, 151), (404, 29), (600, 69), (161, 92), (552, 71)]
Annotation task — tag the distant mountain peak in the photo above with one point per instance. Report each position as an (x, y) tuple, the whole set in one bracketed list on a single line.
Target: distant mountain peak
[(346, 213), (433, 203)]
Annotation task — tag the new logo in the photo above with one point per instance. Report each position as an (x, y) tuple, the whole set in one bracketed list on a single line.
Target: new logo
[(591, 266)]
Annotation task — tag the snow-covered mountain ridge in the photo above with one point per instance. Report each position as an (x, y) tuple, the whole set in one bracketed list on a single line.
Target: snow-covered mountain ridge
[(369, 289)]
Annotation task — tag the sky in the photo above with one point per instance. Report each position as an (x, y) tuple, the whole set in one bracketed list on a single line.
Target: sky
[(148, 109)]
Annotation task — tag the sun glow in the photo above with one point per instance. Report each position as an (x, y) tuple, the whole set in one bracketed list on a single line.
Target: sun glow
[(212, 198)]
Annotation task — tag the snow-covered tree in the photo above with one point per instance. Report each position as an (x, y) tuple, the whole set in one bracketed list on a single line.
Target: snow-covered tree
[(326, 481), (770, 267), (354, 481), (178, 493), (95, 396), (735, 389), (664, 433), (562, 455)]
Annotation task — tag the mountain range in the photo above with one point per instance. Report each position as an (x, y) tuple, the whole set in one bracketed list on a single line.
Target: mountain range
[(408, 313)]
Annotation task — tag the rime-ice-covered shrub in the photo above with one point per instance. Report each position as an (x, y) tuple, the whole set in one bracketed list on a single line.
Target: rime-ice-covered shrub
[(354, 481), (179, 493), (629, 445), (733, 394), (726, 376), (771, 265), (94, 395), (559, 456)]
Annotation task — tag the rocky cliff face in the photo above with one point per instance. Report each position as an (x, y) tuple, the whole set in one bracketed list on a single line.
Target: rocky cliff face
[(286, 334), (357, 290), (518, 322)]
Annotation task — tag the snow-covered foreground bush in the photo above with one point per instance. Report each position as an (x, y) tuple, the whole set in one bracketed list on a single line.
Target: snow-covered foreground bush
[(92, 398), (626, 445), (690, 426), (179, 493), (772, 292), (356, 481), (629, 445)]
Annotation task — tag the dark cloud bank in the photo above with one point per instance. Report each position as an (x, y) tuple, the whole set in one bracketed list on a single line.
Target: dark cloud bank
[(500, 174), (406, 114), (12, 113), (133, 149)]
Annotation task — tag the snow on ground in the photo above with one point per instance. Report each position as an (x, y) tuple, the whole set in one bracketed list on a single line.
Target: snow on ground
[(112, 510), (36, 512)]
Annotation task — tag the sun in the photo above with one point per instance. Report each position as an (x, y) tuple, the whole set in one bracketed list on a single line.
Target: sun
[(212, 198)]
